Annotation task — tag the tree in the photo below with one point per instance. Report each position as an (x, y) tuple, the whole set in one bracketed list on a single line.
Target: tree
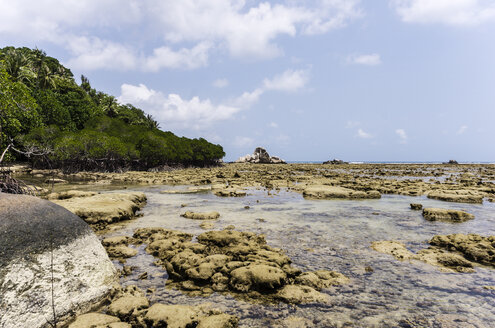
[(18, 109)]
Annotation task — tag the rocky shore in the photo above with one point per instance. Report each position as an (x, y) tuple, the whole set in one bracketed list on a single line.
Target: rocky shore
[(241, 264)]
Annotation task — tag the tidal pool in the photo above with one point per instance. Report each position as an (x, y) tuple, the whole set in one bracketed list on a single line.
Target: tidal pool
[(333, 235)]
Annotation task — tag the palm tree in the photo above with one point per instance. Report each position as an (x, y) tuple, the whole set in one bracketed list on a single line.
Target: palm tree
[(151, 123), (45, 76), (18, 65)]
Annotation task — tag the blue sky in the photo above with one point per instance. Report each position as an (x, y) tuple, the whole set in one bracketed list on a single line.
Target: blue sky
[(374, 80)]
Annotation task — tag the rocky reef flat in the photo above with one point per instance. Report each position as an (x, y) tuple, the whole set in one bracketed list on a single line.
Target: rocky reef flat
[(291, 245)]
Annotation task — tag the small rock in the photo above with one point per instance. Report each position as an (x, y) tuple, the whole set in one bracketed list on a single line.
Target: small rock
[(440, 214), (416, 207), (201, 216)]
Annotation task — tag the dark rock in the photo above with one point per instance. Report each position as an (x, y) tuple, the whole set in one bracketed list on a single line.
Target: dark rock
[(416, 207), (335, 162)]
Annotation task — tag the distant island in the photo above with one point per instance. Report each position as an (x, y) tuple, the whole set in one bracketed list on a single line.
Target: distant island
[(48, 119)]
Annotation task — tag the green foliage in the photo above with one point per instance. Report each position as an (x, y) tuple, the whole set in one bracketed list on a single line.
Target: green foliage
[(87, 145), (42, 107), (18, 109), (53, 111)]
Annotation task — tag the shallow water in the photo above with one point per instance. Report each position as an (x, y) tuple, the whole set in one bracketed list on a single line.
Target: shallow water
[(334, 235)]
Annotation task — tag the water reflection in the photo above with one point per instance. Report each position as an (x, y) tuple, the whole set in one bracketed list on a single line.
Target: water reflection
[(334, 235)]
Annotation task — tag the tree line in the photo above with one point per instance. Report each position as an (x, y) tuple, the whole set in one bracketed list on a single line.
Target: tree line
[(50, 120)]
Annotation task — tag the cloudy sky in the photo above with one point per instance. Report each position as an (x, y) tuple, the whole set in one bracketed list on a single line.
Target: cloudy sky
[(360, 80)]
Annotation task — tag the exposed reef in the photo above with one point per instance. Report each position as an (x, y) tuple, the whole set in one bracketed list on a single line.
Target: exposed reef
[(236, 262), (453, 253)]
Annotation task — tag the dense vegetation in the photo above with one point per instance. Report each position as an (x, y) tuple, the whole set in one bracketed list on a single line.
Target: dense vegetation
[(46, 117)]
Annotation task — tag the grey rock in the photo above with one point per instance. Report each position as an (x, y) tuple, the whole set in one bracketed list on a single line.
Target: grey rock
[(37, 239), (260, 156)]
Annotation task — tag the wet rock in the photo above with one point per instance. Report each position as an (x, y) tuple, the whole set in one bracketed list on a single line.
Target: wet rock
[(190, 190), (116, 240), (445, 260), (121, 252), (416, 207), (218, 321), (207, 225), (230, 260), (301, 294), (69, 194), (35, 233), (171, 316), (201, 216), (440, 214), (102, 209), (257, 277), (294, 322), (459, 196), (184, 316), (98, 320), (452, 253), (394, 248), (332, 192), (473, 247), (229, 192), (127, 306)]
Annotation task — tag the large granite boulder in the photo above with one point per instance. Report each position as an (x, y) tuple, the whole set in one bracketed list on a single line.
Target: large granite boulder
[(260, 156), (49, 258)]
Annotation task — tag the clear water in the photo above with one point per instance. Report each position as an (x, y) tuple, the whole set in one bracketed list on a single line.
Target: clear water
[(334, 235)]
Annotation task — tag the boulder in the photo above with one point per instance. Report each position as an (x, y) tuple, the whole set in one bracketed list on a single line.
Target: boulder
[(440, 214), (260, 156), (40, 240)]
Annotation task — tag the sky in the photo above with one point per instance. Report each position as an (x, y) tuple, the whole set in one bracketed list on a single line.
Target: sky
[(309, 80)]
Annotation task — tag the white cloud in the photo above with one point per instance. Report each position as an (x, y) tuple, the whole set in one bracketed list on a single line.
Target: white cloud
[(247, 29), (368, 60), (94, 53), (250, 30), (247, 99), (402, 135), (362, 134), (164, 57), (290, 80), (450, 12), (462, 129), (220, 83), (173, 111), (243, 142), (273, 125)]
